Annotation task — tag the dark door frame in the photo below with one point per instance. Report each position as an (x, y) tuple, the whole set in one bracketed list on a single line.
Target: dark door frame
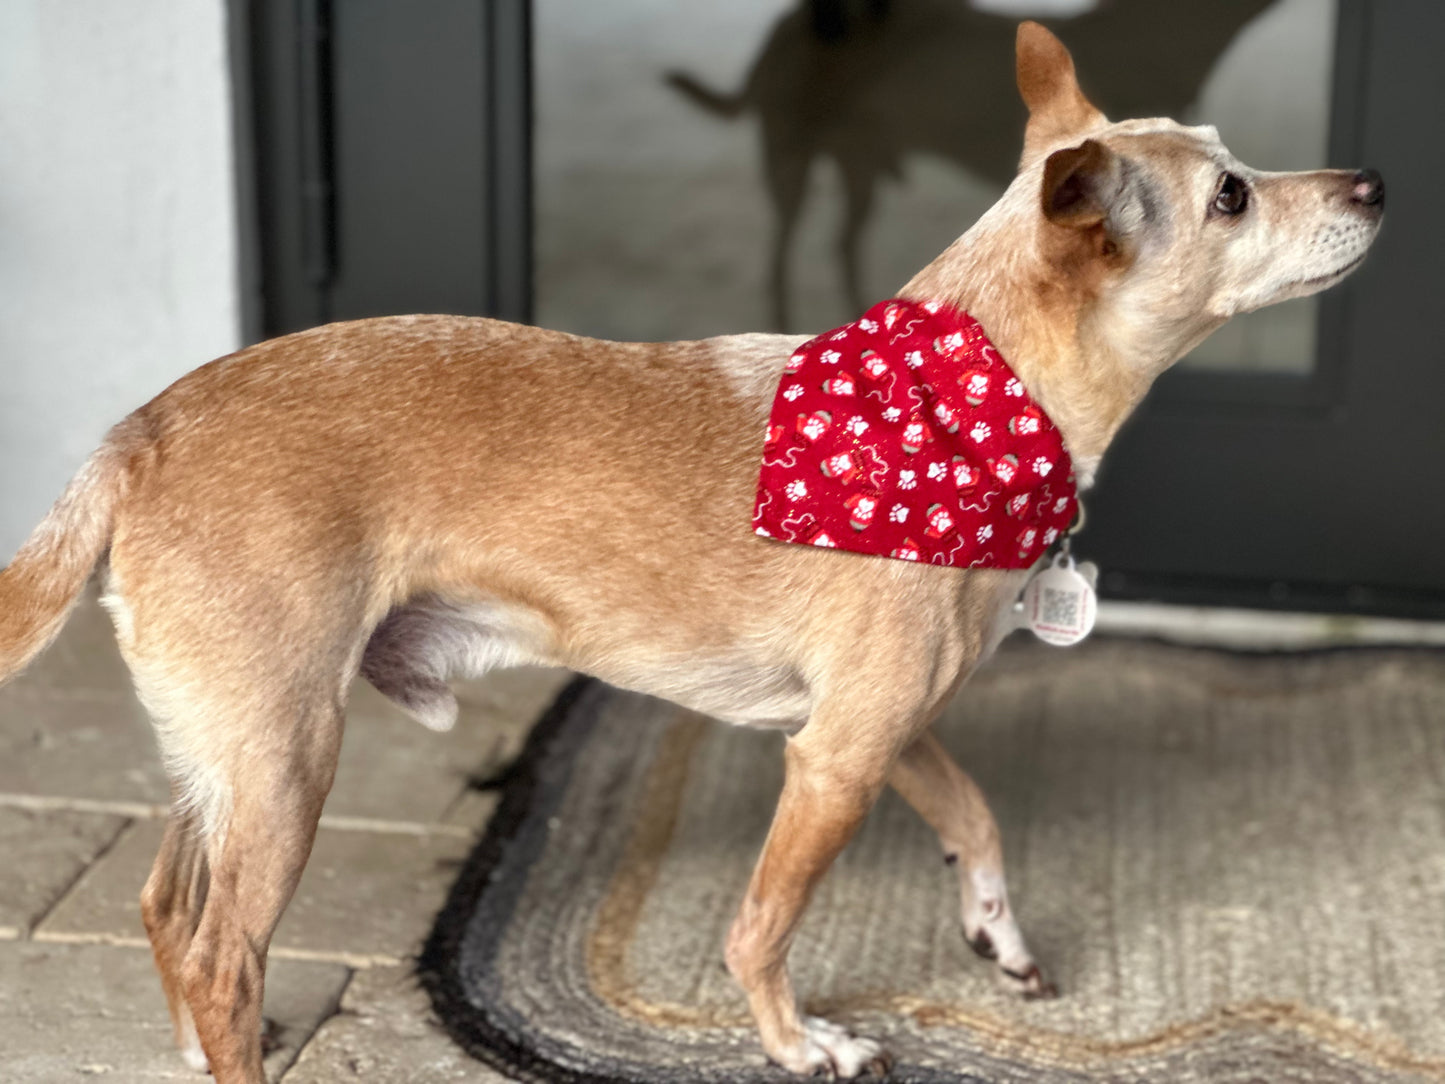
[(284, 122)]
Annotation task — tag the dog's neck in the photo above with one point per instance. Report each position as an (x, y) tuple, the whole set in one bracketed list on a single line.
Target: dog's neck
[(1033, 313)]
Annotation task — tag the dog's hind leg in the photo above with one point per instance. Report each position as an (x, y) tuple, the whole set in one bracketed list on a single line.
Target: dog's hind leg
[(280, 778), (171, 905), (175, 892), (952, 804), (247, 704)]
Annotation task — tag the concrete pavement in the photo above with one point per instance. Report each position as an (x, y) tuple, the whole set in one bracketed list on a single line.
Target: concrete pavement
[(82, 801)]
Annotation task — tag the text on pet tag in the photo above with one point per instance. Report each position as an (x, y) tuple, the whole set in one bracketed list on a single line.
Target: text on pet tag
[(1059, 602)]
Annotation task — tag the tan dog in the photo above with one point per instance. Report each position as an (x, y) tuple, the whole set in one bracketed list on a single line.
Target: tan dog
[(424, 497)]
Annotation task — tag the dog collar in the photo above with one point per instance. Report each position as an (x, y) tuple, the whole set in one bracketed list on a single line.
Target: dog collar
[(905, 434)]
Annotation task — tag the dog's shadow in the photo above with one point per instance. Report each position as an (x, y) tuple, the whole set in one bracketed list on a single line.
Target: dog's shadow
[(868, 82)]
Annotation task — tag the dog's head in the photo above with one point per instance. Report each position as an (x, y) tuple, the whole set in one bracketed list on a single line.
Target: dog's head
[(1165, 232)]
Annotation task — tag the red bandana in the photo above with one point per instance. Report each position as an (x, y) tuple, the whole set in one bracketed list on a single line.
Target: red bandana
[(905, 434)]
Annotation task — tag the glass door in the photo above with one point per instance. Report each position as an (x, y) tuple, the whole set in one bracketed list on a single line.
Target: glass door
[(703, 169), (1295, 459)]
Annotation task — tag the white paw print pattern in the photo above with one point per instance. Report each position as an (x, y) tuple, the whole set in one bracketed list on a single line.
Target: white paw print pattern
[(815, 426), (932, 306), (895, 380)]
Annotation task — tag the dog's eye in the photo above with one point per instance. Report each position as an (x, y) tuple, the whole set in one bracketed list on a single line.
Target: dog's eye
[(1233, 195)]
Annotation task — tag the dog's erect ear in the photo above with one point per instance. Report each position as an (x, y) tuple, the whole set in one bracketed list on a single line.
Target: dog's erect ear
[(1080, 185), (1058, 109)]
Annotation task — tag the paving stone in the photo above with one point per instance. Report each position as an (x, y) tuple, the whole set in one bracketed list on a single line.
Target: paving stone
[(42, 854), (394, 769), (371, 894), (83, 1012), (84, 657), (365, 896), (88, 746), (385, 1034), (104, 904)]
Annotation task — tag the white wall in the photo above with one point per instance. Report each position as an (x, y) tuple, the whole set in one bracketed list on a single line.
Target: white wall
[(118, 249)]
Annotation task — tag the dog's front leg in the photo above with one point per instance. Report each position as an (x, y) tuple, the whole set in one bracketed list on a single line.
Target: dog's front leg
[(834, 772), (950, 801)]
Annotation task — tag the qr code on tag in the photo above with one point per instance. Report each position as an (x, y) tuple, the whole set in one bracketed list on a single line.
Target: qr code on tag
[(1060, 608)]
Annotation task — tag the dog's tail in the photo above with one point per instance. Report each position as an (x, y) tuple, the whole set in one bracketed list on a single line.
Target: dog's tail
[(39, 587), (722, 105)]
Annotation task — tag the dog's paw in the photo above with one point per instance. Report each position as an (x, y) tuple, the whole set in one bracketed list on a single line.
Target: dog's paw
[(1022, 976), (271, 1037), (195, 1058), (190, 1046), (981, 943), (990, 930), (1029, 982), (825, 1049)]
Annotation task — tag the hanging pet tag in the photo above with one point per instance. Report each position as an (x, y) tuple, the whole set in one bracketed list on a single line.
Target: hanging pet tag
[(1059, 603)]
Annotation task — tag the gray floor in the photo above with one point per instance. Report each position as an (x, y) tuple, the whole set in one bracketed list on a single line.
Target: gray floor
[(81, 806)]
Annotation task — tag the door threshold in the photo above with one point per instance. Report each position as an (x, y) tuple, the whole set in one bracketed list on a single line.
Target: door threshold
[(1262, 630)]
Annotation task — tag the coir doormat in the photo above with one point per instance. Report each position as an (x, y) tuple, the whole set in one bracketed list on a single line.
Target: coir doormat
[(1234, 868)]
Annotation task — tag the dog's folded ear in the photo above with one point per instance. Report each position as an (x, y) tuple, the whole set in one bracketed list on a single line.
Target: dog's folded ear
[(1080, 185), (1058, 110)]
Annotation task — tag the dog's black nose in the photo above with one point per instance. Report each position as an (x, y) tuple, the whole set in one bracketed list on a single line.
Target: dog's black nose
[(1368, 188)]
